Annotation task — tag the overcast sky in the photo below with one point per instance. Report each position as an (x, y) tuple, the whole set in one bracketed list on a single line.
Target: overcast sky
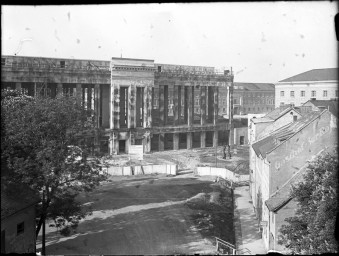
[(261, 41)]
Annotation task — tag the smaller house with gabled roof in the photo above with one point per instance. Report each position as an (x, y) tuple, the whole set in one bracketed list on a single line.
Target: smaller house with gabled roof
[(278, 161), (18, 227), (319, 84)]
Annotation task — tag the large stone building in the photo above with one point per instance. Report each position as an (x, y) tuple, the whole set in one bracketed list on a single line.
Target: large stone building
[(253, 98), (319, 84), (136, 101)]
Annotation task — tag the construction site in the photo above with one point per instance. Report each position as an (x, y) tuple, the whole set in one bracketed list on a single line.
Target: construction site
[(135, 101)]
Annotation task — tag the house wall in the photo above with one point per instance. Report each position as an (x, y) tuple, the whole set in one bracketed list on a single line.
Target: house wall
[(286, 211), (280, 122), (289, 157), (297, 100), (24, 242)]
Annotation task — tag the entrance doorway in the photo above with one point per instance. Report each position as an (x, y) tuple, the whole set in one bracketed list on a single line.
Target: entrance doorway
[(122, 146)]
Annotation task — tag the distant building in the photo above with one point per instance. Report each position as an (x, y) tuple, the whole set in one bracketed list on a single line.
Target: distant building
[(280, 154), (319, 84), (135, 101), (18, 221), (253, 98)]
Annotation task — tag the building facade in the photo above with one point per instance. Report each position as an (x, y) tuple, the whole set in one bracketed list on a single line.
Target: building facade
[(279, 161), (18, 227), (253, 98), (319, 84), (135, 101)]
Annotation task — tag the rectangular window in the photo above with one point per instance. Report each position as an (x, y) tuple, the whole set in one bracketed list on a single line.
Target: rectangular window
[(282, 93), (325, 93), (3, 61), (313, 94), (62, 64), (282, 103), (302, 93), (292, 94), (20, 228), (336, 93)]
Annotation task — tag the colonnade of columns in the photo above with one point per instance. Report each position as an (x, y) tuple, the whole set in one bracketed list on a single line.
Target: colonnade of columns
[(208, 112), (135, 104)]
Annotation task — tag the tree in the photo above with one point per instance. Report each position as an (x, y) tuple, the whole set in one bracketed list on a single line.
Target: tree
[(43, 142), (312, 229)]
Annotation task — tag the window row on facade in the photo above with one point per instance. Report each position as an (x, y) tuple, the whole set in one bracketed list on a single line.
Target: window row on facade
[(303, 93)]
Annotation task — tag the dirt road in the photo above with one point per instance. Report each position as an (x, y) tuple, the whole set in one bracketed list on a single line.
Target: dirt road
[(150, 215)]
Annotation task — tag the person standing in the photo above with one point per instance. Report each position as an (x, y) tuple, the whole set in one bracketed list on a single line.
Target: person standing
[(229, 151)]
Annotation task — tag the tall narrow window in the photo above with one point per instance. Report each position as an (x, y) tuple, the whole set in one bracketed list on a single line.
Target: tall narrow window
[(313, 94), (324, 93), (20, 228), (302, 93), (282, 93), (292, 94), (336, 93)]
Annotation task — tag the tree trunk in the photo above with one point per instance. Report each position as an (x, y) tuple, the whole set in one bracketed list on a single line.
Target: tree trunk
[(42, 217)]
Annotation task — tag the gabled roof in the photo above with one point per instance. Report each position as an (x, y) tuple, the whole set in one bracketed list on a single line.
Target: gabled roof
[(255, 86), (278, 112), (269, 143), (325, 74), (14, 202), (282, 195), (331, 105)]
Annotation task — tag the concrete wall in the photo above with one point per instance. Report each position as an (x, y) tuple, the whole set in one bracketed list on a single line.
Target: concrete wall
[(140, 170), (297, 87), (221, 172), (24, 242)]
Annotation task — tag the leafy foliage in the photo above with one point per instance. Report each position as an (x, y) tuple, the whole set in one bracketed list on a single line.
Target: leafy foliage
[(312, 229), (44, 145)]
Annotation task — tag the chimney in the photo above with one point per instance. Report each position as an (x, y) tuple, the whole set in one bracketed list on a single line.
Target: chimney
[(313, 98)]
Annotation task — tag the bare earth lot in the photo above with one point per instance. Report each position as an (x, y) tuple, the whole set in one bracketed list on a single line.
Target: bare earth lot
[(150, 215)]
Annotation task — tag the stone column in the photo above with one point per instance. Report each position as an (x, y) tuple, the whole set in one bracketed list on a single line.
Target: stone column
[(114, 143), (216, 105), (96, 117), (161, 105), (179, 104), (115, 103), (215, 138), (97, 104), (175, 141), (59, 89), (89, 97), (203, 105), (186, 89), (147, 142), (131, 106), (189, 140), (147, 106), (190, 109), (175, 105), (203, 139), (166, 104), (161, 141), (79, 93), (17, 86)]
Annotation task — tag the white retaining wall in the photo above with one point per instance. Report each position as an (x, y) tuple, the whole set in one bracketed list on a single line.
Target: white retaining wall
[(140, 170), (222, 172)]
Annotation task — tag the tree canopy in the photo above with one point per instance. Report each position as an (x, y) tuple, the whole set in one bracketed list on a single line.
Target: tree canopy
[(43, 142), (312, 229)]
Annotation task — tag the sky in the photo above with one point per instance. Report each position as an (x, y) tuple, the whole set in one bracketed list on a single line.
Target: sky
[(262, 41)]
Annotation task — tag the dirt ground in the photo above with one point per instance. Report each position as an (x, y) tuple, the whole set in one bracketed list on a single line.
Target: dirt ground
[(151, 214), (189, 159)]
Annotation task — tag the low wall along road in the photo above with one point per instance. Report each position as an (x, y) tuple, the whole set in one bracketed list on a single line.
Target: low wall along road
[(169, 169), (223, 173)]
